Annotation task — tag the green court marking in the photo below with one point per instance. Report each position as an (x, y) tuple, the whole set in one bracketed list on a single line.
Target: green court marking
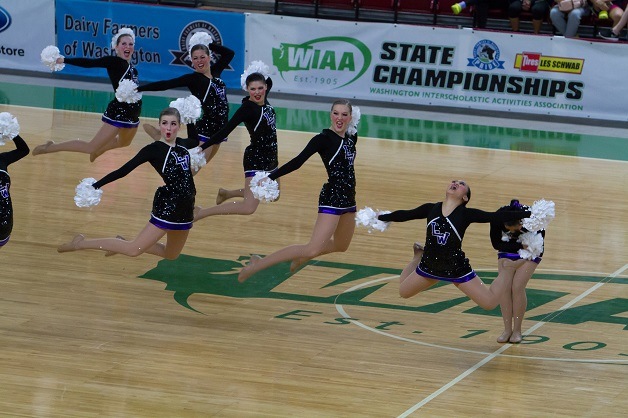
[(374, 126)]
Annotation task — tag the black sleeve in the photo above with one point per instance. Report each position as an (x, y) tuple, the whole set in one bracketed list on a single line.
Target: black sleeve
[(480, 216), (102, 62), (420, 212), (140, 158), (21, 150), (166, 84), (226, 55), (238, 117), (312, 147), (509, 246), (192, 141)]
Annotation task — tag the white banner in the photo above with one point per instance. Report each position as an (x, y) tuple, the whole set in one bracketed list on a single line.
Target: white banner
[(26, 27), (441, 66)]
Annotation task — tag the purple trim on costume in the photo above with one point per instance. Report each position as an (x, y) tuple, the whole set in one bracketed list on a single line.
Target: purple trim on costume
[(335, 211), (205, 138), (119, 124), (462, 279), (161, 224), (4, 241), (251, 173), (515, 256)]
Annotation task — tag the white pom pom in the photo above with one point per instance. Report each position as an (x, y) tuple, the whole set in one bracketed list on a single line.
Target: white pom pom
[(355, 119), (9, 127), (264, 191), (189, 108), (534, 243), (542, 214), (368, 217), (254, 67), (49, 56), (197, 158), (199, 38), (505, 237), (86, 196), (122, 31), (127, 92)]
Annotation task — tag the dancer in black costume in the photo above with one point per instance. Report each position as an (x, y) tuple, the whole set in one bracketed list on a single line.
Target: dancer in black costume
[(207, 86), (173, 205), (442, 258), (6, 206), (120, 120), (261, 155), (335, 224)]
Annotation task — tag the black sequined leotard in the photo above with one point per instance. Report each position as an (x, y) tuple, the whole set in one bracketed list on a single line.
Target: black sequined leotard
[(118, 114), (338, 154), (443, 258), (212, 92), (506, 243), (6, 207), (261, 154), (173, 204)]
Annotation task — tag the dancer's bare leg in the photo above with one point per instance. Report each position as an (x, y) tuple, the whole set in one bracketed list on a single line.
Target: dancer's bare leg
[(144, 242), (324, 229), (224, 194), (153, 132), (506, 271), (244, 207), (123, 139), (486, 297), (337, 244), (106, 133), (519, 298), (412, 265), (211, 151)]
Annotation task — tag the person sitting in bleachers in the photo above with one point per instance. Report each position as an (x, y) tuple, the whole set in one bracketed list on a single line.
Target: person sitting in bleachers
[(538, 8), (567, 22)]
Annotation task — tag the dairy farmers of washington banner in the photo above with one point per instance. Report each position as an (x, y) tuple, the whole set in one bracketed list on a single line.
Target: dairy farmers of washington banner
[(448, 67), (85, 29)]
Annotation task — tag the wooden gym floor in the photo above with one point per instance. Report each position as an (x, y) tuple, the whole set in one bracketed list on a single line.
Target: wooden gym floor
[(82, 335)]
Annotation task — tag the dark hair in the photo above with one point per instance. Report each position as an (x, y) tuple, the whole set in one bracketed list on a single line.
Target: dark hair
[(255, 77), (170, 111), (514, 206), (200, 46), (343, 102), (468, 194)]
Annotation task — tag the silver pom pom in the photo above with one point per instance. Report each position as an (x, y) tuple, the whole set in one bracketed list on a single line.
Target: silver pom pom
[(505, 237), (49, 56), (534, 243), (127, 92), (199, 38), (86, 196), (542, 214), (355, 119), (189, 108), (264, 191), (9, 127), (197, 159), (254, 67), (368, 217), (122, 31)]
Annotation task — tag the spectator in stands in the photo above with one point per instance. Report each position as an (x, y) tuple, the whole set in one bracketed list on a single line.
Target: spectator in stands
[(481, 9), (538, 8), (567, 23), (619, 18), (608, 9)]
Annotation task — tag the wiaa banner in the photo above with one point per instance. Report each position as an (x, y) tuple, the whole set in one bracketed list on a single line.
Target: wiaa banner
[(442, 67)]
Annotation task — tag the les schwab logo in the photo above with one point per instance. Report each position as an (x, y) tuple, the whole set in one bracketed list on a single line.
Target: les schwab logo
[(535, 62)]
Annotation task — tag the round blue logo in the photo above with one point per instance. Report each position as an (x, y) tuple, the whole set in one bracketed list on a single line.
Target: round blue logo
[(486, 56), (5, 19)]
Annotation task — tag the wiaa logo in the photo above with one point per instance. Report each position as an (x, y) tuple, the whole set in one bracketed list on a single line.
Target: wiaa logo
[(486, 56), (5, 19)]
